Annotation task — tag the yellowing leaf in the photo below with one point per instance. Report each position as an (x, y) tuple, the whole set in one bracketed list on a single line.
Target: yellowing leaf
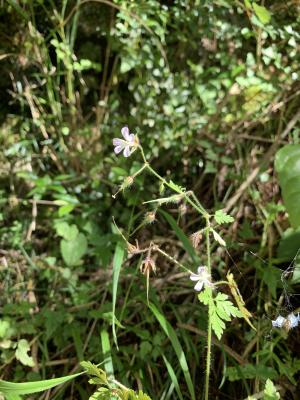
[(218, 238), (239, 300)]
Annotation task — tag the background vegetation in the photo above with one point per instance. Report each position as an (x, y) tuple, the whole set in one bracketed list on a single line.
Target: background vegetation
[(212, 89)]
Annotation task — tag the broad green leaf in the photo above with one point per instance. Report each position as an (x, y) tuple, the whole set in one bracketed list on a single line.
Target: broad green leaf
[(10, 388), (262, 13), (73, 250), (68, 232), (67, 209), (22, 353), (289, 245), (287, 165), (169, 331)]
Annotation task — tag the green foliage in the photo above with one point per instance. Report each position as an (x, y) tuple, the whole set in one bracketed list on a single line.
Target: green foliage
[(207, 87), (222, 218), (287, 165), (270, 392), (220, 308), (22, 353)]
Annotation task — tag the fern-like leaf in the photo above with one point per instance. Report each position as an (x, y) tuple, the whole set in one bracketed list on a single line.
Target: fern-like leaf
[(220, 308)]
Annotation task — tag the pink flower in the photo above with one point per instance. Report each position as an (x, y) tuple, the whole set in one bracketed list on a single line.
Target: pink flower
[(128, 146), (202, 277)]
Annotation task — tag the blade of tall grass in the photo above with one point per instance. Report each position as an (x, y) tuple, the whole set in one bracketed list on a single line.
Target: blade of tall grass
[(169, 331), (181, 236), (117, 263), (173, 377), (106, 349), (10, 389)]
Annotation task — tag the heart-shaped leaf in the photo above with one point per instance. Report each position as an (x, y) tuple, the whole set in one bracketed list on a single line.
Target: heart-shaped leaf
[(73, 250), (68, 232)]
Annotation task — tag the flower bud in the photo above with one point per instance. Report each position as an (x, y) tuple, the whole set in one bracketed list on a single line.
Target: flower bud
[(150, 217), (128, 181), (196, 238)]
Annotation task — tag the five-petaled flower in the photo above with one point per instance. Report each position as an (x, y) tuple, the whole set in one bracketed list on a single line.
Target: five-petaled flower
[(202, 277), (128, 146)]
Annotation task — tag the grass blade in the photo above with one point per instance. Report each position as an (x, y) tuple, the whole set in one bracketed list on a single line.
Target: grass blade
[(106, 349), (169, 331), (181, 236), (11, 388), (173, 377), (117, 263)]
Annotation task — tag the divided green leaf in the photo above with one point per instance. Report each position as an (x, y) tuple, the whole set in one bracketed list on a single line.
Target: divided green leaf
[(222, 218), (220, 308), (270, 392)]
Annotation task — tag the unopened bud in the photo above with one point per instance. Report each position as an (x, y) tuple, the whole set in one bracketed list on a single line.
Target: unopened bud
[(196, 238), (150, 217), (128, 181), (161, 188)]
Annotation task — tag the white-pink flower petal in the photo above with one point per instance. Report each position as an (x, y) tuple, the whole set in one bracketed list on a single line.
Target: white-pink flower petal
[(118, 149), (125, 133), (127, 151), (199, 285), (118, 142)]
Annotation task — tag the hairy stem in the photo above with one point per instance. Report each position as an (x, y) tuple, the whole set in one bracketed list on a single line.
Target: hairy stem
[(209, 328)]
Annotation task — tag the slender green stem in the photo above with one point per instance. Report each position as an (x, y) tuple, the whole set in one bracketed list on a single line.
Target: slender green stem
[(156, 248), (209, 328), (195, 204)]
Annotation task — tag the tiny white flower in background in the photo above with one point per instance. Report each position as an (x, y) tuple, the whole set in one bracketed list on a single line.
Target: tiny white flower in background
[(128, 146), (291, 321), (279, 321), (202, 277)]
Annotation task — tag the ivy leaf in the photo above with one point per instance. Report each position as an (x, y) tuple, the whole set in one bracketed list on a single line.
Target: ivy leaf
[(239, 300), (270, 392), (262, 13), (220, 308), (21, 353), (222, 218)]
